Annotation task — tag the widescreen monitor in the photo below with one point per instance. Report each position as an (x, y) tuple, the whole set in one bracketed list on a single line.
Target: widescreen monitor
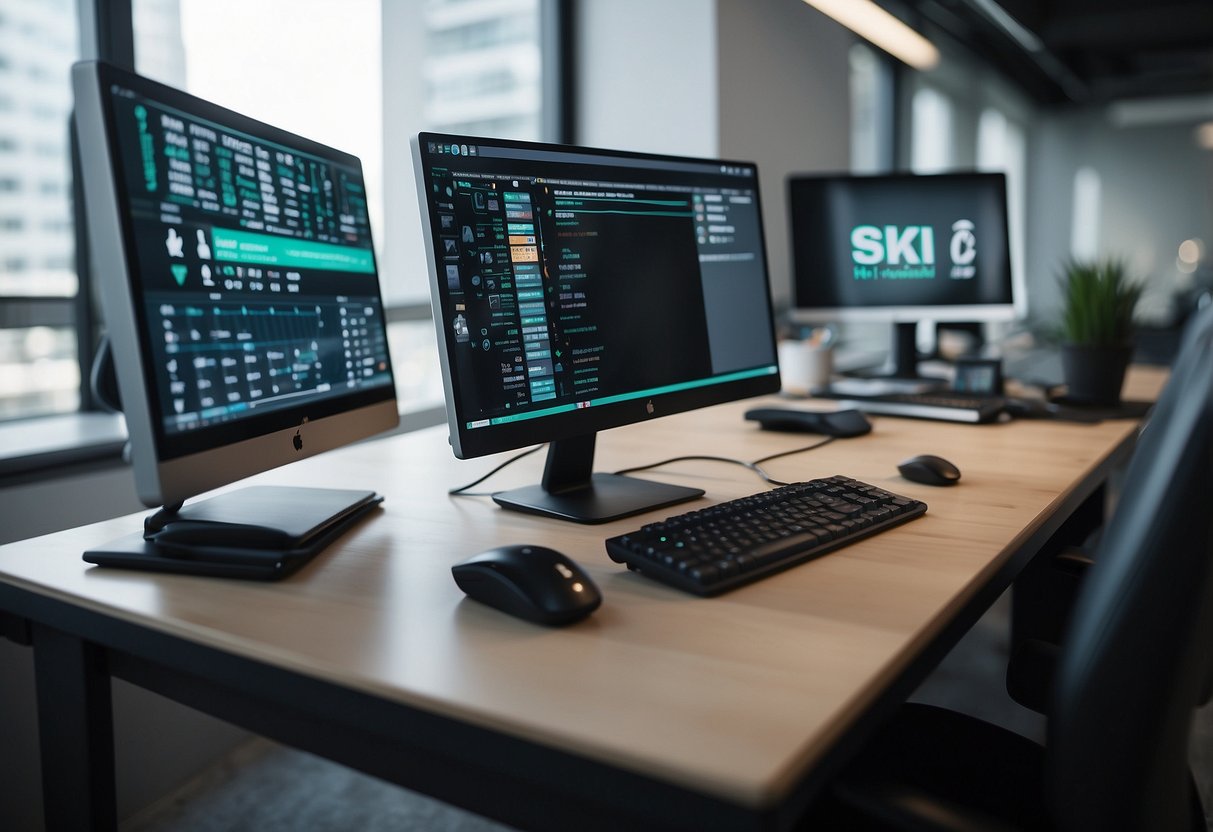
[(576, 290), (238, 281), (900, 248)]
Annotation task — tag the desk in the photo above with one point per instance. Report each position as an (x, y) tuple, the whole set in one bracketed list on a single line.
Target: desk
[(660, 711)]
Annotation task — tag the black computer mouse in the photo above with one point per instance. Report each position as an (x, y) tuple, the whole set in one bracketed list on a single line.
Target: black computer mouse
[(841, 423), (531, 582), (929, 470)]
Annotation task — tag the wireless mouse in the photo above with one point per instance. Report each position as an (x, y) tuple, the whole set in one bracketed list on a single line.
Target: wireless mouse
[(929, 470), (841, 423), (531, 582)]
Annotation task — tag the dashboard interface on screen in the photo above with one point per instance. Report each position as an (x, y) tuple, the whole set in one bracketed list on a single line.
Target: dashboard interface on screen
[(885, 242), (252, 269), (573, 281)]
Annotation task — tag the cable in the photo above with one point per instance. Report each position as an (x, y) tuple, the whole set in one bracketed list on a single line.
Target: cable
[(729, 460), (753, 466), (462, 491), (825, 441)]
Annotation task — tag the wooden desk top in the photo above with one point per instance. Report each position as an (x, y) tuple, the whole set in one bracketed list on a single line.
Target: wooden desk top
[(735, 696)]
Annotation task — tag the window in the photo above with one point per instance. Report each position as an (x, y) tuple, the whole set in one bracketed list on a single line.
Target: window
[(40, 373), (1084, 219), (872, 107), (931, 137), (308, 66), (960, 115), (39, 370), (1001, 146), (361, 75)]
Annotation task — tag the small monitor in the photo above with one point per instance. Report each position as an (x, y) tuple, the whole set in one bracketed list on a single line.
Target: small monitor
[(239, 286), (577, 289), (901, 248)]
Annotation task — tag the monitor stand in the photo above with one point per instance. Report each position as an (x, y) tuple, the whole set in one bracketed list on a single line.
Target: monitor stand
[(903, 377), (570, 490), (263, 532)]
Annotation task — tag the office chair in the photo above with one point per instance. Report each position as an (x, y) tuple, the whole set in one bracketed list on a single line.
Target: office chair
[(1136, 661), (1044, 593)]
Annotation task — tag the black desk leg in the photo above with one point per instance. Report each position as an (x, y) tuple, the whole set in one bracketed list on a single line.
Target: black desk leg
[(75, 726)]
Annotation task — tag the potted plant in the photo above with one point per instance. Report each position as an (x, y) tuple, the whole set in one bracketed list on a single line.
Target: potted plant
[(1098, 300)]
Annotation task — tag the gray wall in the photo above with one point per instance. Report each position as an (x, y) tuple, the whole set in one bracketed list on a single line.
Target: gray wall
[(764, 81), (1156, 191), (36, 508), (784, 103), (647, 75)]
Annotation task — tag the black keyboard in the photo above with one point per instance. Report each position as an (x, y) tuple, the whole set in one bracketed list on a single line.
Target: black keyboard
[(718, 548), (949, 407)]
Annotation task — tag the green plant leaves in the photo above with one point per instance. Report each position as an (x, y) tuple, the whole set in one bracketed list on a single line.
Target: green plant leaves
[(1098, 300)]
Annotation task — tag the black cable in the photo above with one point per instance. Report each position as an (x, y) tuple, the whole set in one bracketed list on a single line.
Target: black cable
[(826, 441), (462, 491), (729, 460), (753, 466)]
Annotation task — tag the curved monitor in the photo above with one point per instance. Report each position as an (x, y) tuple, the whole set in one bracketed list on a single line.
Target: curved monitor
[(239, 285), (578, 289)]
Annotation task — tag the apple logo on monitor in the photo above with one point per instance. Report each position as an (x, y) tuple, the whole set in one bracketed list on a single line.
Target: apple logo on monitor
[(297, 441)]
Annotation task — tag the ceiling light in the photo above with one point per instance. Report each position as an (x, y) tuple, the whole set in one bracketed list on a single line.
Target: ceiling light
[(871, 22)]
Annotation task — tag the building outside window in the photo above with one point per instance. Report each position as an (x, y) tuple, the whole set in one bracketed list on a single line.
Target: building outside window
[(39, 370)]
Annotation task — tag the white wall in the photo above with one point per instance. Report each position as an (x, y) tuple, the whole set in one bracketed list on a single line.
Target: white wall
[(784, 103), (646, 75), (763, 81), (403, 268)]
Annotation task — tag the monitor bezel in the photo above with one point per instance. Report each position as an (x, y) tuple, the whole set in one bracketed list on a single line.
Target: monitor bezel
[(474, 442), (167, 469), (985, 312)]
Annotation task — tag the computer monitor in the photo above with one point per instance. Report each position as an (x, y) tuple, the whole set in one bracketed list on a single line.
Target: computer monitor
[(239, 286), (900, 248), (577, 289)]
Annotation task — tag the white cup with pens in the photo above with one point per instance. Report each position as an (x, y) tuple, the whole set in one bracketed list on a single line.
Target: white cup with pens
[(807, 364)]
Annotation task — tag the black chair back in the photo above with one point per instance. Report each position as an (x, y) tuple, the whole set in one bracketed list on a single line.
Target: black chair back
[(1138, 656)]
